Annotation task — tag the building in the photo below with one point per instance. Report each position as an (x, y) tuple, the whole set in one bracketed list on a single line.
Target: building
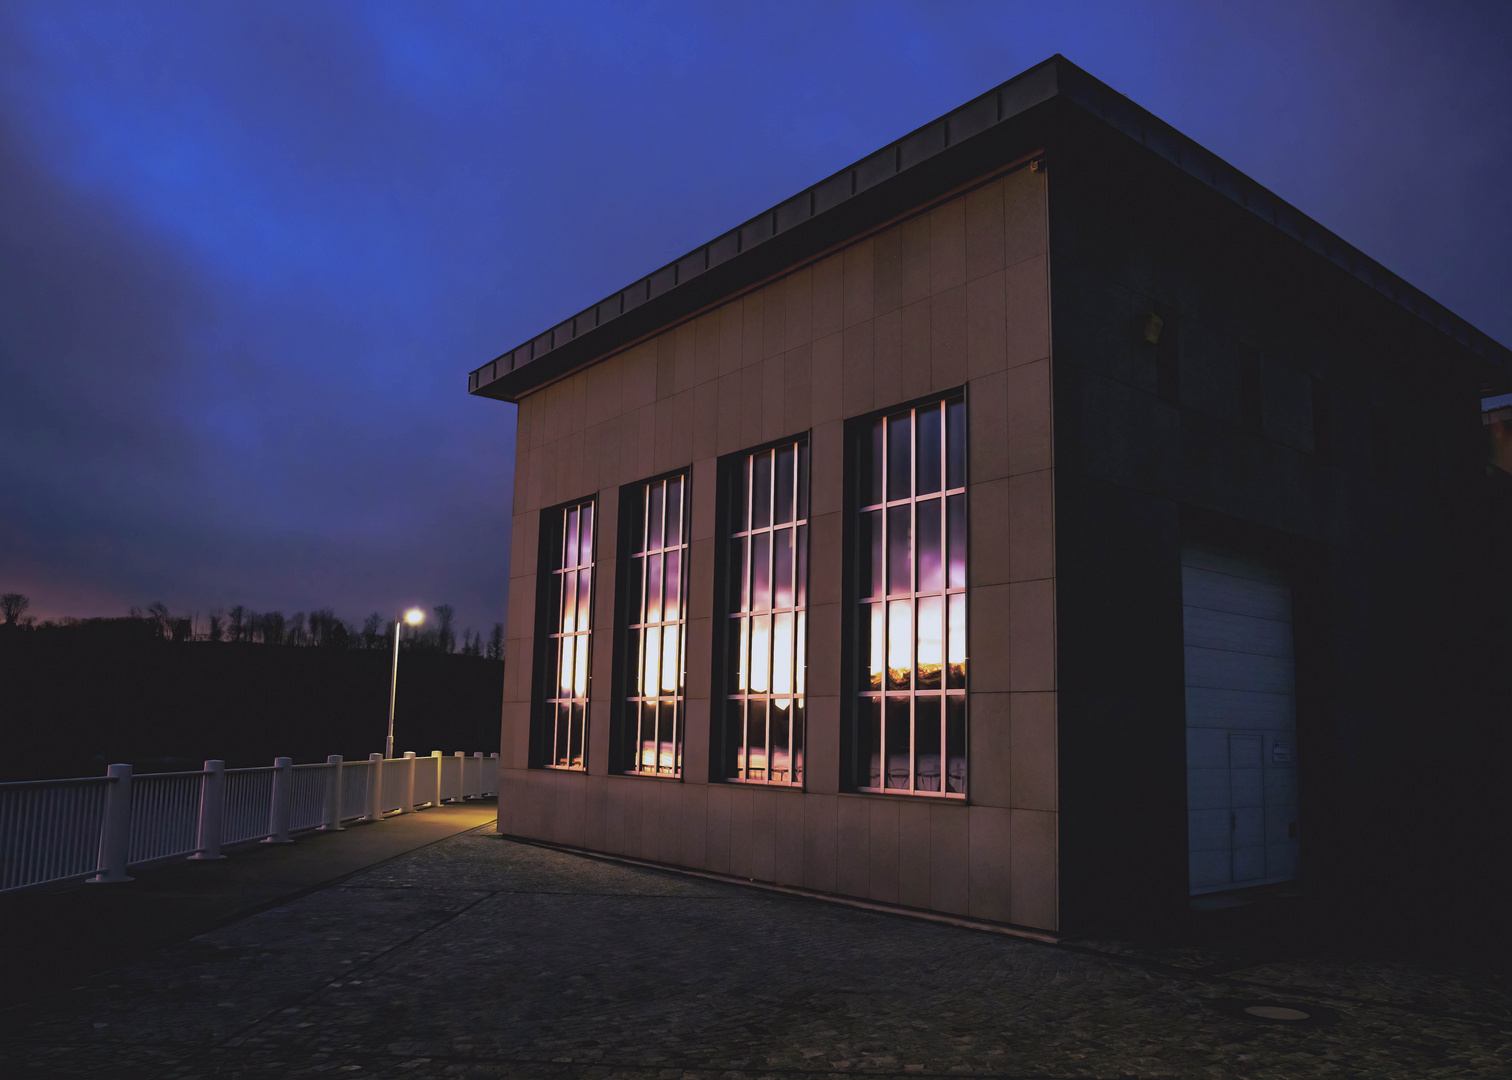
[(1038, 522)]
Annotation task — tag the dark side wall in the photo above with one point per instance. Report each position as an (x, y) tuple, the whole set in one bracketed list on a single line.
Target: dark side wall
[(1310, 420)]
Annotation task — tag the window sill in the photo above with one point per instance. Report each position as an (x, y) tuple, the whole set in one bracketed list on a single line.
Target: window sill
[(910, 796)]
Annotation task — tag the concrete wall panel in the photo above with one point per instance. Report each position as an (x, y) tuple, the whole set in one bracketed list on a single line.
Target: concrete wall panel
[(820, 840), (882, 848), (717, 849), (790, 837), (763, 833), (989, 894), (914, 876), (984, 231), (953, 294), (1032, 860), (948, 857)]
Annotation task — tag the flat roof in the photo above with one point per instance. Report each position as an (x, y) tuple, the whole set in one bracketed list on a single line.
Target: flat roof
[(815, 217)]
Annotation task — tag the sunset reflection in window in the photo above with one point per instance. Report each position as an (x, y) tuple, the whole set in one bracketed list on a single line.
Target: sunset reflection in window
[(766, 572), (565, 716), (911, 581), (656, 592)]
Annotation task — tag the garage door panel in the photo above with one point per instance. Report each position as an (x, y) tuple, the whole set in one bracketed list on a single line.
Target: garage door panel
[(1232, 564), (1212, 707), (1248, 826), (1280, 786), (1241, 721), (1208, 830), (1207, 789), (1246, 788), (1249, 863), (1237, 633), (1220, 669), (1221, 592), (1207, 748), (1208, 868)]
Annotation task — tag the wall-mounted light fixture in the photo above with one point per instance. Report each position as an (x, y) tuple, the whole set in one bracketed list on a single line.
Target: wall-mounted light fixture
[(1150, 328)]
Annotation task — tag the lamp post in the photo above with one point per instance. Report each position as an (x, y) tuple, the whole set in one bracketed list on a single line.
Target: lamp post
[(414, 616)]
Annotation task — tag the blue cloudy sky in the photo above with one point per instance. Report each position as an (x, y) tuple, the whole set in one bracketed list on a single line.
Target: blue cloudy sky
[(249, 251)]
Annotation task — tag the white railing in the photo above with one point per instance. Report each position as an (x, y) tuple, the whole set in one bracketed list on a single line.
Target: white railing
[(98, 828)]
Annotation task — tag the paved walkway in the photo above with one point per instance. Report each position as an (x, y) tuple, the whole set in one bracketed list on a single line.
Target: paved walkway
[(54, 939), (480, 957)]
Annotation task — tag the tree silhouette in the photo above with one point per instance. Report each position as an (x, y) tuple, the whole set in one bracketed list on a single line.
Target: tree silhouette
[(496, 642), (446, 638), (157, 615), (238, 622), (327, 631), (13, 605), (214, 633), (372, 631)]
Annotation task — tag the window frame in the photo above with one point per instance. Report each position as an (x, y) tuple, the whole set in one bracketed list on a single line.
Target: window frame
[(727, 761), (546, 676), (858, 598), (629, 631)]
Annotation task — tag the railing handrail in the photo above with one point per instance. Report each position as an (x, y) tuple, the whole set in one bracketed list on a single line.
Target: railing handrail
[(11, 784), (61, 830)]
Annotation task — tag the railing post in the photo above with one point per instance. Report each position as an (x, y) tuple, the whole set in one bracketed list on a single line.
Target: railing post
[(440, 775), (115, 835), (409, 798), (478, 769), (333, 796), (375, 788), (461, 795), (283, 798), (493, 771), (211, 811)]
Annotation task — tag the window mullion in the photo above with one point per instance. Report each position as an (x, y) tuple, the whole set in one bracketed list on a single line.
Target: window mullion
[(641, 618), (685, 500), (913, 599)]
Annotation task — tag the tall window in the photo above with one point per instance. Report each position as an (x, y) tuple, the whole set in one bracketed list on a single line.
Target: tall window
[(766, 633), (656, 593), (570, 622), (911, 622)]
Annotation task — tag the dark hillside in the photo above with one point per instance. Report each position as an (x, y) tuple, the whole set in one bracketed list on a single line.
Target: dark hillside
[(76, 698)]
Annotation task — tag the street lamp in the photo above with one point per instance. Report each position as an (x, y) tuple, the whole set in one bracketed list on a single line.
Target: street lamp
[(414, 616)]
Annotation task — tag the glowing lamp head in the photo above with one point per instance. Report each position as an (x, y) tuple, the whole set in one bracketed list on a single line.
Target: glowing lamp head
[(414, 616)]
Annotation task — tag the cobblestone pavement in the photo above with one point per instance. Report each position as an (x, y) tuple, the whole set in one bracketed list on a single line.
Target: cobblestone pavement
[(479, 957)]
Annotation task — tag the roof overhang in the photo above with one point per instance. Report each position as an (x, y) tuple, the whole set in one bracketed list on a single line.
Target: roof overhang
[(989, 133)]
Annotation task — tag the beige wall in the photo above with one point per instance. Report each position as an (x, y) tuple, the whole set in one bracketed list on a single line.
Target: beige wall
[(957, 295)]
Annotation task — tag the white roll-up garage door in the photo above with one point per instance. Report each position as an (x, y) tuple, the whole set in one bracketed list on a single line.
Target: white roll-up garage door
[(1241, 717)]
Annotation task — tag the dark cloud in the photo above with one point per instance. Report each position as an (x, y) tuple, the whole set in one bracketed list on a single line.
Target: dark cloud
[(192, 420), (249, 251)]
